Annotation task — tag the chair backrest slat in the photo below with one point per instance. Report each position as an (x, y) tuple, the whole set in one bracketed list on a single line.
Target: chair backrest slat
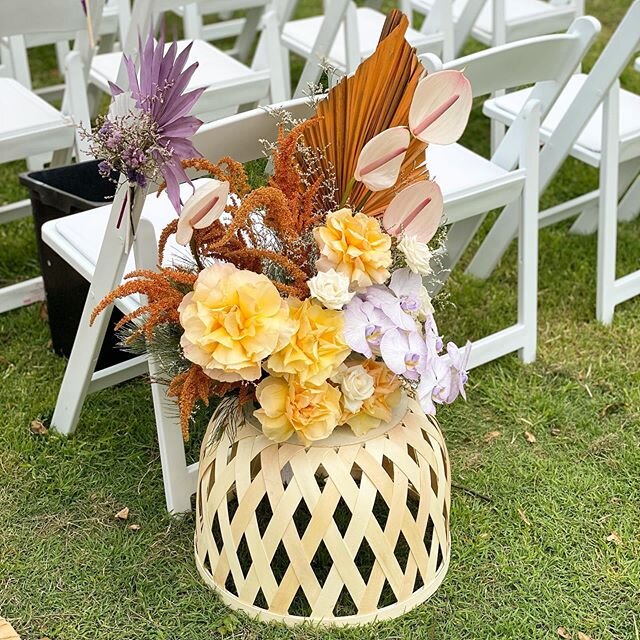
[(547, 61), (242, 136), (551, 58)]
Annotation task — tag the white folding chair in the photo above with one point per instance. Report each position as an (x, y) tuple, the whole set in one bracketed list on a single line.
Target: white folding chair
[(230, 83), (598, 123), (242, 29), (29, 125), (495, 22), (347, 34), (473, 185)]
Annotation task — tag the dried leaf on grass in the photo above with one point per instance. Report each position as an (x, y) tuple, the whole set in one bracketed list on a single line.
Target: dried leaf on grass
[(37, 428), (563, 633), (529, 437), (490, 436), (523, 517), (134, 527), (7, 632), (615, 538), (583, 636), (123, 514)]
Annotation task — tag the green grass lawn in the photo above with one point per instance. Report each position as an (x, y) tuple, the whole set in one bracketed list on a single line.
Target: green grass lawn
[(538, 555)]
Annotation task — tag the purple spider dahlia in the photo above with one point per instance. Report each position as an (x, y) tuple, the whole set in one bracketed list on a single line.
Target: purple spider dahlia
[(158, 90)]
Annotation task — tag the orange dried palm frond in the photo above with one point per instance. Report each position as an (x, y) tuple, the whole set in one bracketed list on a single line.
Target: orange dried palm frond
[(378, 96)]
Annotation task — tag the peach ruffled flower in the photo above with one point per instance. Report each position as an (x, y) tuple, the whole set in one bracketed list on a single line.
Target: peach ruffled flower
[(287, 407), (355, 246), (378, 408), (316, 349), (232, 320)]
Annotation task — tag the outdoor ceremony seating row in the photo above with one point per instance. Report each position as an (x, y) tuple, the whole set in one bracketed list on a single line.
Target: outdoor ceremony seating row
[(510, 176)]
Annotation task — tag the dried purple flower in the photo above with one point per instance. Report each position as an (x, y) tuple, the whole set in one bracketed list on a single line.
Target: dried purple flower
[(158, 91)]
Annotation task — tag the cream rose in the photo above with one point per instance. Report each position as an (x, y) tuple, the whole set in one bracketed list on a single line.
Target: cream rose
[(356, 386), (417, 254), (354, 245), (331, 289), (232, 320), (287, 407)]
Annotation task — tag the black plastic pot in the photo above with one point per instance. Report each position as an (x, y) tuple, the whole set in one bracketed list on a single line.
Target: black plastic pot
[(56, 193)]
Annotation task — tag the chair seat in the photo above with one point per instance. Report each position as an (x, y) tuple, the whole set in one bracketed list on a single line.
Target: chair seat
[(216, 70), (300, 35), (78, 238), (588, 147), (470, 183), (523, 18), (28, 124)]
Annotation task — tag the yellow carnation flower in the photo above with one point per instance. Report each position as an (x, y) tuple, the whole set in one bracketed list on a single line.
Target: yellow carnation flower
[(288, 407), (378, 408), (316, 349), (355, 246), (232, 320)]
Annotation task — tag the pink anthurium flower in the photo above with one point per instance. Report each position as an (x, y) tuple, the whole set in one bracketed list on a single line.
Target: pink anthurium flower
[(415, 211), (440, 107), (381, 159), (202, 209)]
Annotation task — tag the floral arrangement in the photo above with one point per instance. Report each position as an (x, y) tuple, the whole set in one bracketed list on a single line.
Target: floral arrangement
[(304, 298)]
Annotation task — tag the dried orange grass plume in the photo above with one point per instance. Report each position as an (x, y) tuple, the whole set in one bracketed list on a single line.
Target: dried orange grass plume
[(305, 207), (164, 295)]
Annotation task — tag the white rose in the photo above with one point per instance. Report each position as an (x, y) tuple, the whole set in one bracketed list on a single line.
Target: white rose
[(417, 254), (356, 386), (331, 289)]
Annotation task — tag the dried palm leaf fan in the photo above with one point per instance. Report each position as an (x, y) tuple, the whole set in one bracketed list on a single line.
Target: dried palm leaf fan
[(378, 96)]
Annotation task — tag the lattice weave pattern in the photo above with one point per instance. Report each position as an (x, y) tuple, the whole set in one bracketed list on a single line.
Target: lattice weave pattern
[(338, 534)]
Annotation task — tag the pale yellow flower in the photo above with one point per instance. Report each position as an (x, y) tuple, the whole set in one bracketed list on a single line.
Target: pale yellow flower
[(288, 407), (232, 320), (316, 349), (378, 408), (355, 246)]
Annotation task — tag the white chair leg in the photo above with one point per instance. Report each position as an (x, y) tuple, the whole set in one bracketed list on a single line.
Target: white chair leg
[(495, 244), (629, 205), (628, 193), (86, 347), (21, 294), (458, 238), (528, 239), (192, 21), (608, 218), (178, 479), (178, 483)]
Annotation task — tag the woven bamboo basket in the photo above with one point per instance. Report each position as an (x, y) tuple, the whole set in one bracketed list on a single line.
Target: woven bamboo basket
[(347, 531)]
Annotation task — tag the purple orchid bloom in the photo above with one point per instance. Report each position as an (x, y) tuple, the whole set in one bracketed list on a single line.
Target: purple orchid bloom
[(159, 90), (433, 340), (364, 326), (444, 379), (405, 353), (399, 300), (458, 363)]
